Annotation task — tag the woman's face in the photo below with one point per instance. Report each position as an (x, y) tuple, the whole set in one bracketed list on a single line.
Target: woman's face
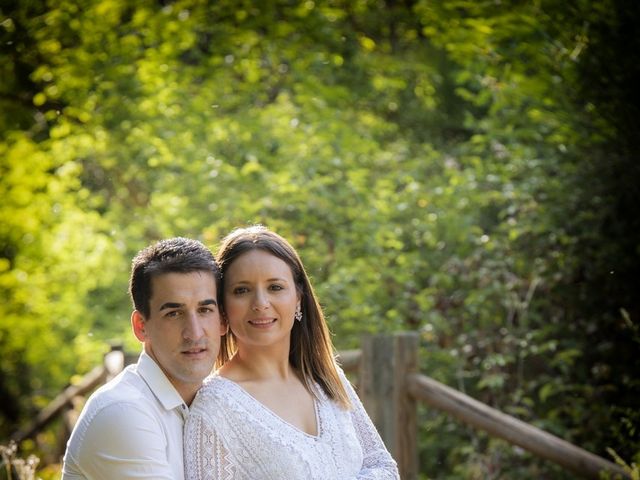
[(260, 299)]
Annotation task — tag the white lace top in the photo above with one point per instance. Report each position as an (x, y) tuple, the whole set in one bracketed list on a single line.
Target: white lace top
[(231, 435)]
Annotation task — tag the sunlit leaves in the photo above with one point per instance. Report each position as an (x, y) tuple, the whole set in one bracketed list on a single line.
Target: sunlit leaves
[(422, 157)]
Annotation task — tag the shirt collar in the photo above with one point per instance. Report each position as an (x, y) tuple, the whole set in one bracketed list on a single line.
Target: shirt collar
[(159, 384)]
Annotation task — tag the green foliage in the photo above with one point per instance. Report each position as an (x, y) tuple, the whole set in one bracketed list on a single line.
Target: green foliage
[(633, 470), (443, 166)]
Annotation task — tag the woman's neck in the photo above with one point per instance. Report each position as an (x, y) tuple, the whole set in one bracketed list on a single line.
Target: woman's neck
[(251, 364)]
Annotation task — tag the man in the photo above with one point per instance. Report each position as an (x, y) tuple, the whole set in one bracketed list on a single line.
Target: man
[(132, 426)]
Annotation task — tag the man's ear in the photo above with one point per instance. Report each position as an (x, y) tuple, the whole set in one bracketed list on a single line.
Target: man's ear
[(138, 324)]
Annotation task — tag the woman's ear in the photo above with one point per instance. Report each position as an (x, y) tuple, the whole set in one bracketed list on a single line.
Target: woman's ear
[(138, 324), (224, 323)]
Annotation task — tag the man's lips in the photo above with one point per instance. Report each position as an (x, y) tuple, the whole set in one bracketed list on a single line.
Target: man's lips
[(195, 351)]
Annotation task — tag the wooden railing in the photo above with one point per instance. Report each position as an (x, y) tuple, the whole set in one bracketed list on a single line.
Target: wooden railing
[(67, 404), (390, 387)]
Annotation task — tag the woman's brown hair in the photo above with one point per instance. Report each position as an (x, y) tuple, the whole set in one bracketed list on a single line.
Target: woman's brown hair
[(311, 352)]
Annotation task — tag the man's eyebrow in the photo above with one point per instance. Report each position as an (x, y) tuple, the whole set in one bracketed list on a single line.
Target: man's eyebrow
[(170, 305), (208, 301)]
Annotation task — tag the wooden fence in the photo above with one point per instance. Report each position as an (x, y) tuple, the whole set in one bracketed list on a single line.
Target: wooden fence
[(390, 387)]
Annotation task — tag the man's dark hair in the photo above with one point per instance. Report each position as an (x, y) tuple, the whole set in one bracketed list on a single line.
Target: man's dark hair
[(174, 255)]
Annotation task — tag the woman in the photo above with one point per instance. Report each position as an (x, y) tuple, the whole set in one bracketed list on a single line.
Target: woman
[(278, 407)]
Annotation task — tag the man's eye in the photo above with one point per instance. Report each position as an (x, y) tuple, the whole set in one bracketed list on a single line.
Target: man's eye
[(173, 313)]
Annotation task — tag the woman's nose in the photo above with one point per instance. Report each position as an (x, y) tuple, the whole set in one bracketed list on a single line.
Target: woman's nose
[(260, 301)]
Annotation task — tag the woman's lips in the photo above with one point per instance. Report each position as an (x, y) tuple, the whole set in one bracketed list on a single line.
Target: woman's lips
[(262, 322)]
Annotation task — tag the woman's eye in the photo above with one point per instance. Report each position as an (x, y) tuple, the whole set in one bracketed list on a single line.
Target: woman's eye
[(277, 287), (240, 290)]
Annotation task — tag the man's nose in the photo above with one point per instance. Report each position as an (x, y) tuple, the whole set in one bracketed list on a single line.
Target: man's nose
[(193, 329)]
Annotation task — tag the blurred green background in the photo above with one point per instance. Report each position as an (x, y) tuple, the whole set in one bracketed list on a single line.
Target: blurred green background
[(465, 169)]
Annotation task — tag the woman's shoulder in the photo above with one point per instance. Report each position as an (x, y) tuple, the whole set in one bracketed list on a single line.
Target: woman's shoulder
[(342, 376), (347, 385), (213, 379), (340, 370), (215, 388)]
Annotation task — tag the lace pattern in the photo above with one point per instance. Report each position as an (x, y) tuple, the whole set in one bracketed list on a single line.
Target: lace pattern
[(230, 435)]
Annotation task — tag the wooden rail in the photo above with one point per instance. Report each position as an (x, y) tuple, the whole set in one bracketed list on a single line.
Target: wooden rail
[(349, 360), (389, 386), (113, 362), (62, 402), (508, 428)]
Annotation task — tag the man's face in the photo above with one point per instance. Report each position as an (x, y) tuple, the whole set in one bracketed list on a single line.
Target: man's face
[(182, 333)]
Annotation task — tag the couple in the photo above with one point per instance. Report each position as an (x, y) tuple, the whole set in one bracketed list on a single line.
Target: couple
[(278, 407)]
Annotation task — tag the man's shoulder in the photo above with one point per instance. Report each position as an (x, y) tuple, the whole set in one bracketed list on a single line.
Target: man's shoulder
[(128, 390), (121, 426), (122, 405), (127, 383)]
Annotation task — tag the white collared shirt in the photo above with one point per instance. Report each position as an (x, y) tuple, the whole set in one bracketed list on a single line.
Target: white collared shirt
[(130, 428)]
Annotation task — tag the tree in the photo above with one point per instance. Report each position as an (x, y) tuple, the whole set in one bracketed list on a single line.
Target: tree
[(449, 167)]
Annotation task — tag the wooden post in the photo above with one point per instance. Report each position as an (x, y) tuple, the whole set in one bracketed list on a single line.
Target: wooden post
[(114, 361), (386, 362)]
